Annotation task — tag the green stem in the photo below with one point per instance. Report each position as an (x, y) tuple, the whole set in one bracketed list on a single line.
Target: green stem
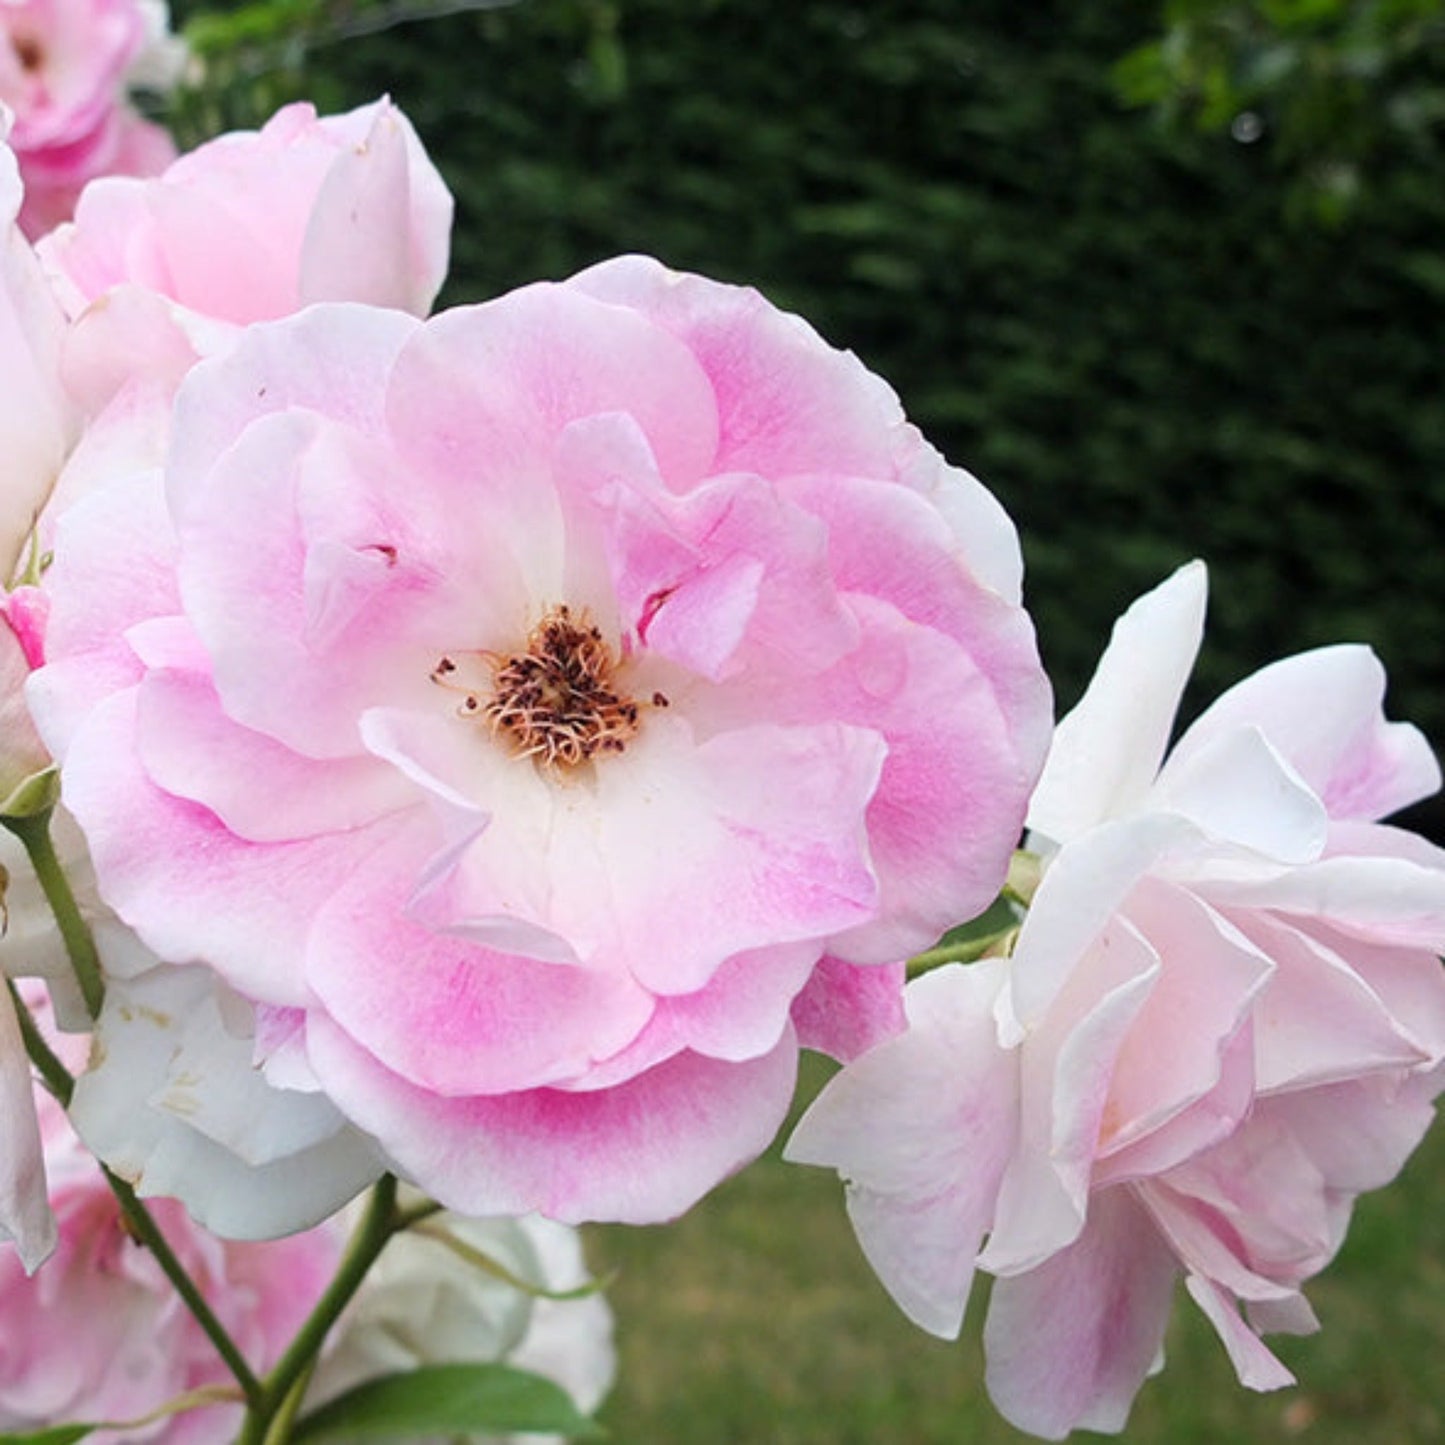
[(34, 835), (57, 1077), (280, 1430), (970, 950), (377, 1226)]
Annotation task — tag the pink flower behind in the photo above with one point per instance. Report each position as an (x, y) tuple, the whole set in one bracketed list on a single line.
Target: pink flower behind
[(251, 226), (528, 707), (254, 225), (1224, 1019), (62, 73)]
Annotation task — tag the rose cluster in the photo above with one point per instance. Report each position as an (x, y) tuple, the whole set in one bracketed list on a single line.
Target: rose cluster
[(491, 744)]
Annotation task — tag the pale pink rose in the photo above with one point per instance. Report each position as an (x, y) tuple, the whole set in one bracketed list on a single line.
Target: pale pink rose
[(126, 145), (63, 67), (1223, 1020), (98, 1333), (533, 903), (249, 227), (37, 428)]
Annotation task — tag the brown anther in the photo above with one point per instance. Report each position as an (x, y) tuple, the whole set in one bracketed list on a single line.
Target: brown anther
[(558, 701), (659, 699), (29, 52)]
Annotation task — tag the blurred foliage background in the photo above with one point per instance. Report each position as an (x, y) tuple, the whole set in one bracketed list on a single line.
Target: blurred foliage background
[(1167, 274), (1170, 276)]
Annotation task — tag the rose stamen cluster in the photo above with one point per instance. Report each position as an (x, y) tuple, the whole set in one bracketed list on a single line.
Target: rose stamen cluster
[(558, 700)]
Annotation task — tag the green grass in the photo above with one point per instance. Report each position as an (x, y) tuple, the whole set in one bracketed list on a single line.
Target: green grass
[(755, 1321)]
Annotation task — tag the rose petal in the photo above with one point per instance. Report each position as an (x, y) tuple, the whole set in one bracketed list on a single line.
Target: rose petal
[(1107, 750), (920, 1129), (1070, 1343)]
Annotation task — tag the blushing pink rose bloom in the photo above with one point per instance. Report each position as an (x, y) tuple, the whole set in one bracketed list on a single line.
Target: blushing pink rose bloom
[(251, 226), (98, 1333), (63, 65), (1224, 1019), (536, 710)]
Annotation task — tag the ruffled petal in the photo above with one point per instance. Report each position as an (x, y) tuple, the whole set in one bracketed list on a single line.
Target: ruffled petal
[(920, 1129), (639, 1153)]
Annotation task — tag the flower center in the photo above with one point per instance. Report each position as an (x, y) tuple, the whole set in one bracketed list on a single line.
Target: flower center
[(558, 701)]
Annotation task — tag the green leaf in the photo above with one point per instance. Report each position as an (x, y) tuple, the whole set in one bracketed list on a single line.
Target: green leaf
[(448, 1400)]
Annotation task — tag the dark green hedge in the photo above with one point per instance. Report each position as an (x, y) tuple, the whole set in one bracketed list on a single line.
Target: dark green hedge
[(1114, 328)]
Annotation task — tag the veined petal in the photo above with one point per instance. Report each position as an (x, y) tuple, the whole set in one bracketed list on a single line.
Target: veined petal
[(202, 909)]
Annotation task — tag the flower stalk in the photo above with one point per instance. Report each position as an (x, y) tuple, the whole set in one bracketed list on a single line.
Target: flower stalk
[(269, 1414), (33, 831)]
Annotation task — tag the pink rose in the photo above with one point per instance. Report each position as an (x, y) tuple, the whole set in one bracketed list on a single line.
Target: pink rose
[(100, 1334), (1223, 1020), (257, 224), (62, 73), (249, 227), (529, 707)]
